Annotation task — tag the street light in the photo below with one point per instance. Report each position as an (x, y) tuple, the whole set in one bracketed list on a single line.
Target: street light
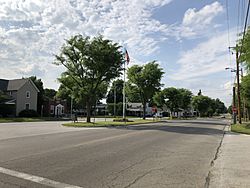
[(232, 70)]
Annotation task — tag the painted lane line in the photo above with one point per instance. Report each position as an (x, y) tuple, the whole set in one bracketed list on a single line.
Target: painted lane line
[(36, 179)]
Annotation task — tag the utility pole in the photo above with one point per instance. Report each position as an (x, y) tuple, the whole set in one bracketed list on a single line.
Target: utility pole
[(114, 99), (243, 99), (234, 106), (71, 106), (238, 83)]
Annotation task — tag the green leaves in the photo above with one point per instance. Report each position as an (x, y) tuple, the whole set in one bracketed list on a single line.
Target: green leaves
[(244, 49), (90, 65), (145, 81), (173, 98)]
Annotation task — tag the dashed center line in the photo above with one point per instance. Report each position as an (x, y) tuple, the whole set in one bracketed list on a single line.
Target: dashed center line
[(36, 179)]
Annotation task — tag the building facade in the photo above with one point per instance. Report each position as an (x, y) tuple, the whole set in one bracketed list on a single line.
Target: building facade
[(22, 94)]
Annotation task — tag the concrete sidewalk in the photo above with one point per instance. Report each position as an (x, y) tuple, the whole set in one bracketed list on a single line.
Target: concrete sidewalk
[(232, 166)]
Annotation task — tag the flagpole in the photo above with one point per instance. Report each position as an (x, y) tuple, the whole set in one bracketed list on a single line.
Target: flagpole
[(124, 97)]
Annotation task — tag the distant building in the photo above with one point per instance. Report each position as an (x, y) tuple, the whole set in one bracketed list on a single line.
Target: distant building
[(22, 93), (55, 107), (136, 109)]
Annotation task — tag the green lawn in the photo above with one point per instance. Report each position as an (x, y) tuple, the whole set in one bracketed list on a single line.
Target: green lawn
[(241, 128), (35, 119), (108, 123)]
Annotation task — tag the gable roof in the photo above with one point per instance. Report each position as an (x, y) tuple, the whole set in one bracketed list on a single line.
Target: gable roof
[(16, 84)]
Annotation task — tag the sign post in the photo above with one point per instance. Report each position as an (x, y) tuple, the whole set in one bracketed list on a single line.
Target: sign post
[(234, 114)]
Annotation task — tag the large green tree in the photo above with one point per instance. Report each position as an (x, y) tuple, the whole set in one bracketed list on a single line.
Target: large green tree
[(173, 99), (50, 93), (40, 96), (186, 98), (245, 90), (203, 104), (146, 80), (116, 88), (90, 65), (132, 93), (244, 49)]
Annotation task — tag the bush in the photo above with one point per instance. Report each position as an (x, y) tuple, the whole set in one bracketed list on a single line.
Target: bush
[(28, 113), (121, 120), (7, 110)]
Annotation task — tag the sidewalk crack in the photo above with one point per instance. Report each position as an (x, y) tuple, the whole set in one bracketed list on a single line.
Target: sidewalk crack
[(208, 177)]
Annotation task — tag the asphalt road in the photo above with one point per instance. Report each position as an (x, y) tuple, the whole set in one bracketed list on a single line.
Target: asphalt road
[(168, 154)]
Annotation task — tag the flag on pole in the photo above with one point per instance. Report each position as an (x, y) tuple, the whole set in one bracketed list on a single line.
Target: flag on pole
[(127, 59)]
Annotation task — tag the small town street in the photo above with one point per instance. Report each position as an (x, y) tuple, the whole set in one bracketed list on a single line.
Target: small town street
[(166, 154)]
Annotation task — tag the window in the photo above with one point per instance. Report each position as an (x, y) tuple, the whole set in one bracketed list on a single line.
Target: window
[(10, 93), (27, 106), (27, 94)]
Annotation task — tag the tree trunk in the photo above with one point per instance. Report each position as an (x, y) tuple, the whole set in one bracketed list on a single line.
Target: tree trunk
[(88, 105), (144, 110)]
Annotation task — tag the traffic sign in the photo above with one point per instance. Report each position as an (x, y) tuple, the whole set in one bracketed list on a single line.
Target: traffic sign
[(234, 109), (154, 109)]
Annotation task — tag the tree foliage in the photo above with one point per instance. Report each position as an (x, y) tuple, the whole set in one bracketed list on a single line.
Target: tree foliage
[(173, 98), (244, 49), (49, 93), (207, 106), (145, 80), (245, 89), (116, 88), (202, 104), (133, 93), (90, 65), (40, 95)]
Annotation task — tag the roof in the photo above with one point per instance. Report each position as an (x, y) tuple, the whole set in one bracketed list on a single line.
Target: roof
[(3, 84), (16, 84)]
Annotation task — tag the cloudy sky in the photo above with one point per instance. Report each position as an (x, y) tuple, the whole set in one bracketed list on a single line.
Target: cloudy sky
[(188, 38)]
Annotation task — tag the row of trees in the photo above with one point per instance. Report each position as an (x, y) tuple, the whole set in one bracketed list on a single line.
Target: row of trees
[(244, 49), (92, 64), (173, 99)]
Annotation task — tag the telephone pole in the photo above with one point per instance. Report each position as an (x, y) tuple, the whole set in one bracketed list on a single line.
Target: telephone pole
[(114, 99), (234, 106), (238, 83)]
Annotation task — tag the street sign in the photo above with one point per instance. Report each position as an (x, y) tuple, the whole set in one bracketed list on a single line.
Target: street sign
[(234, 109), (154, 109)]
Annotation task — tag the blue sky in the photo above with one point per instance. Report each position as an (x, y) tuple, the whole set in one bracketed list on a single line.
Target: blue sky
[(188, 38)]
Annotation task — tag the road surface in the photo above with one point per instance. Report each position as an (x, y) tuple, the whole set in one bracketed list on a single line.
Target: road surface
[(167, 154)]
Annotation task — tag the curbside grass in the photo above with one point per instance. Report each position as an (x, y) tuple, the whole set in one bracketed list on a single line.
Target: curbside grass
[(35, 119), (108, 124), (241, 128)]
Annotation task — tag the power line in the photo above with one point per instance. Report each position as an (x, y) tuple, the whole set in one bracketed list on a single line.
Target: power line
[(238, 20), (228, 38), (245, 26)]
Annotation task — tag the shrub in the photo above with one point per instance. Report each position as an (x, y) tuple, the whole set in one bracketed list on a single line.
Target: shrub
[(7, 110), (28, 113), (121, 120)]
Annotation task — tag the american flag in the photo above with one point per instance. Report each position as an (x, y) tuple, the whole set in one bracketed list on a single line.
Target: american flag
[(127, 57)]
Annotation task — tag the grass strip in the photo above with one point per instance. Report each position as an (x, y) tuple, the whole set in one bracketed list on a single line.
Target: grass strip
[(241, 128), (36, 119), (108, 123)]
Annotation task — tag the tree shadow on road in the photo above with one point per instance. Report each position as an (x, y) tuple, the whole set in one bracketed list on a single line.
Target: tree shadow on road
[(182, 129)]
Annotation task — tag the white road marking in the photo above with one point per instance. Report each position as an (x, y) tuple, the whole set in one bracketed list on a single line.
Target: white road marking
[(36, 179)]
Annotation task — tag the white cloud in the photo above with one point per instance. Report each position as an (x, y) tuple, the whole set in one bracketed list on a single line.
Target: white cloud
[(203, 67), (204, 59), (203, 16), (195, 22), (33, 30)]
